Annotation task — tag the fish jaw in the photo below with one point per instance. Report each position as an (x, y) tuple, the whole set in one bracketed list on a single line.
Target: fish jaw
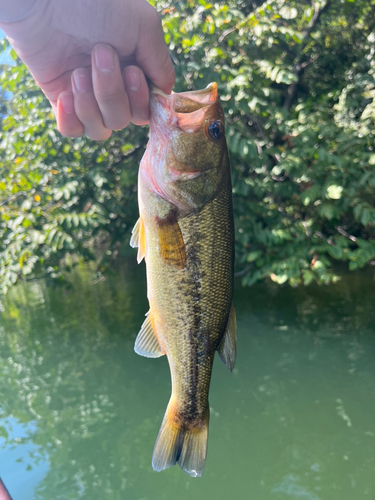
[(183, 102), (184, 110), (181, 150)]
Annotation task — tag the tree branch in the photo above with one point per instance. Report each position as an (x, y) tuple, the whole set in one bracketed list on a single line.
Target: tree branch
[(228, 32), (340, 230), (13, 197), (321, 235), (310, 61), (244, 271)]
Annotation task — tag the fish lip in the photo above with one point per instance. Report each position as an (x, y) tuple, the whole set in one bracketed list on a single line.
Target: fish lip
[(155, 90), (211, 87), (187, 102), (198, 95)]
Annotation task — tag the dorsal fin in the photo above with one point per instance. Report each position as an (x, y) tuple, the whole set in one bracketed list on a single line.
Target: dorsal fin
[(146, 343), (171, 243), (227, 346), (138, 239)]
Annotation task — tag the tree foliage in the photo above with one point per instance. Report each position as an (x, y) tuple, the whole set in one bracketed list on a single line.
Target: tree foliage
[(59, 197), (297, 82)]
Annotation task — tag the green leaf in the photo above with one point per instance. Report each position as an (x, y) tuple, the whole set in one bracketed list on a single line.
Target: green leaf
[(335, 252), (4, 432), (365, 216), (252, 256), (334, 192), (279, 279)]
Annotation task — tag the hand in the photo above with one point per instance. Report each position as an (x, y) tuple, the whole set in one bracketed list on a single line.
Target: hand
[(91, 60), (4, 495)]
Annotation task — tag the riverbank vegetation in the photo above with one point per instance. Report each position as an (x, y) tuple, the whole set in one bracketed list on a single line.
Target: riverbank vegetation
[(297, 83)]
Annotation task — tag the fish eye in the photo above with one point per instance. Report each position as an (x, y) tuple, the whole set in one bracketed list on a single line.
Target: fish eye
[(215, 130)]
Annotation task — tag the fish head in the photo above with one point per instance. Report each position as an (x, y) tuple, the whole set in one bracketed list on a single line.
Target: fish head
[(187, 152)]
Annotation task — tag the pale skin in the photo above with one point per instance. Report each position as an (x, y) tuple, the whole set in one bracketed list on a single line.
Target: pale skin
[(4, 495), (91, 59)]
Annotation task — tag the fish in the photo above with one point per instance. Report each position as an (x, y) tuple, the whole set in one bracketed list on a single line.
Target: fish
[(185, 233)]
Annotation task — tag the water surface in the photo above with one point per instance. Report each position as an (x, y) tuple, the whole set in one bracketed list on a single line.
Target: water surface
[(80, 411)]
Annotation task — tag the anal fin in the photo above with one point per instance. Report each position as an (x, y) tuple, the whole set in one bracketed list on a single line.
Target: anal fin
[(146, 343), (228, 344), (138, 239)]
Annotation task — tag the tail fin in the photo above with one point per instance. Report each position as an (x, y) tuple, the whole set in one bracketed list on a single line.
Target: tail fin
[(180, 444)]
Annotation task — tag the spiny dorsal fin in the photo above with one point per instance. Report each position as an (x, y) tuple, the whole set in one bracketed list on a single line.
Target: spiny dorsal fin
[(171, 242), (227, 347), (138, 240), (146, 343)]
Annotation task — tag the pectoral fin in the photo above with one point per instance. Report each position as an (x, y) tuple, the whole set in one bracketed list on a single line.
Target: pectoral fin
[(171, 242), (138, 239), (227, 346), (146, 343)]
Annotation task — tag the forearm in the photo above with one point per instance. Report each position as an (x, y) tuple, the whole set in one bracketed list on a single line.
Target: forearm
[(15, 10)]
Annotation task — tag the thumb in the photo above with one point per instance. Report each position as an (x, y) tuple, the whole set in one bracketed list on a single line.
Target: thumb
[(152, 53)]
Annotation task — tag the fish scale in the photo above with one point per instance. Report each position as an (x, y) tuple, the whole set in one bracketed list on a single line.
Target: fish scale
[(186, 235)]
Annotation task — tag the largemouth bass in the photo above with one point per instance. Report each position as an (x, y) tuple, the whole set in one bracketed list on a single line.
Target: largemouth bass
[(185, 233)]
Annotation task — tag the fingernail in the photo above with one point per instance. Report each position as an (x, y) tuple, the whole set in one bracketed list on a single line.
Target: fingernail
[(67, 102), (104, 58), (82, 80), (132, 79)]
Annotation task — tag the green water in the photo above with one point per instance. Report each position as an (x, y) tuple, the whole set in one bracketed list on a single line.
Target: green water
[(80, 411)]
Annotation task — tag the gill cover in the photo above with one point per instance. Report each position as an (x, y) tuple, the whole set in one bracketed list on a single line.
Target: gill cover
[(187, 154)]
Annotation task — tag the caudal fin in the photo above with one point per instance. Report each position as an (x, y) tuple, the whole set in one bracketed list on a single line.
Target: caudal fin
[(182, 444)]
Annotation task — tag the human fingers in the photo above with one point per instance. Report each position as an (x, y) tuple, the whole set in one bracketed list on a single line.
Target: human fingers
[(4, 494), (86, 107), (138, 94), (67, 120), (109, 88), (152, 53)]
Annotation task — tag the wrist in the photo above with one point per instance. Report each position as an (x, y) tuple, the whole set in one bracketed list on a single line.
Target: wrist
[(12, 11)]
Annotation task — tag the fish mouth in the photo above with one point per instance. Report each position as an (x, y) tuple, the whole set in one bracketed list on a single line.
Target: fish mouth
[(188, 102)]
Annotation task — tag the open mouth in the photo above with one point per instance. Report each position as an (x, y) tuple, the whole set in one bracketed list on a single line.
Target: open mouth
[(188, 102)]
